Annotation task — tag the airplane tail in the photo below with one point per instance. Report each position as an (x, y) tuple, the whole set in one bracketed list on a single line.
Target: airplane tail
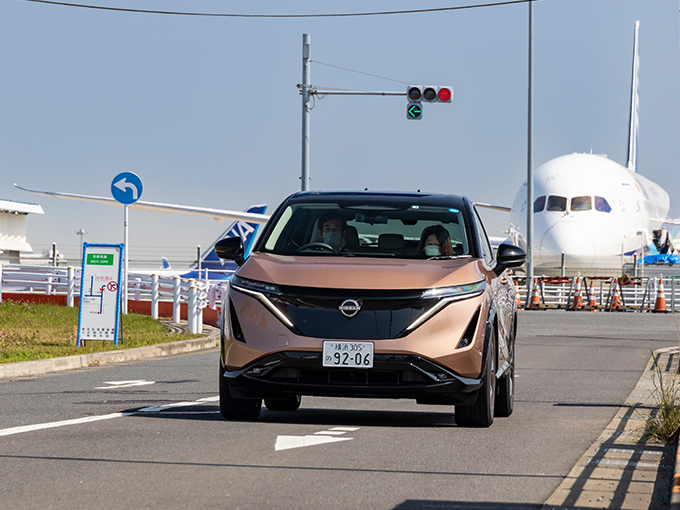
[(166, 263), (634, 106), (244, 230)]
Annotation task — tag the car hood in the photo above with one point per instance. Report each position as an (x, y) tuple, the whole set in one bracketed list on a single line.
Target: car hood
[(359, 272)]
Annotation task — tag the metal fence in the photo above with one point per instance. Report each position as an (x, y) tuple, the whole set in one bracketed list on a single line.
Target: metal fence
[(598, 293), (51, 280)]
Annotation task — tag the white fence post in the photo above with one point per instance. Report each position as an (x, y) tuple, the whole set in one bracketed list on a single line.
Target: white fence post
[(154, 296), (0, 282), (70, 287), (176, 302), (138, 289), (191, 312)]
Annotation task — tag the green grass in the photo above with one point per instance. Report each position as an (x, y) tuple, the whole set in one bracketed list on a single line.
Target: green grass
[(664, 425), (31, 331)]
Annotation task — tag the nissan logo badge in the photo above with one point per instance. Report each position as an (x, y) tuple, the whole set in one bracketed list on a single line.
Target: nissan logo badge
[(349, 308)]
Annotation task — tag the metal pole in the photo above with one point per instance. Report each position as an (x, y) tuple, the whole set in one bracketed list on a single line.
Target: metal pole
[(54, 254), (198, 258), (304, 177), (530, 170), (125, 261)]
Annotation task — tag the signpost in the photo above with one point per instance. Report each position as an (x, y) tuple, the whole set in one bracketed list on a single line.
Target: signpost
[(99, 311), (126, 188)]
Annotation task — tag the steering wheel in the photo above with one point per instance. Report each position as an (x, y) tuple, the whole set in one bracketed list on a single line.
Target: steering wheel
[(316, 247)]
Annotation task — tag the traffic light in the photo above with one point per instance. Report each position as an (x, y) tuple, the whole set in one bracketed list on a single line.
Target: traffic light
[(414, 94), (445, 94), (429, 94), (414, 111)]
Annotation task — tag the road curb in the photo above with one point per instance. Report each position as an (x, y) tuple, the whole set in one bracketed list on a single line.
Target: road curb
[(51, 365), (675, 487), (620, 470)]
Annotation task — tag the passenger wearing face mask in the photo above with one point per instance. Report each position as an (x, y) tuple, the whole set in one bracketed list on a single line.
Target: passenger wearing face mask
[(332, 231), (435, 241)]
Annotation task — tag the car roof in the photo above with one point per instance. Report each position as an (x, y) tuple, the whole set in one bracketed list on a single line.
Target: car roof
[(394, 197)]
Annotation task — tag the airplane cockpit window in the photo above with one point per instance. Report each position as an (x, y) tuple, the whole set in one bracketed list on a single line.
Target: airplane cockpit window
[(602, 205), (556, 203), (581, 204), (539, 204)]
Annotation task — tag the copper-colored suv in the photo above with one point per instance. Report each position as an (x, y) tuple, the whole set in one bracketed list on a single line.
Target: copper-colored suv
[(366, 294)]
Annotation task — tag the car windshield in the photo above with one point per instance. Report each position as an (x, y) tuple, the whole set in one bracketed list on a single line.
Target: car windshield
[(368, 230)]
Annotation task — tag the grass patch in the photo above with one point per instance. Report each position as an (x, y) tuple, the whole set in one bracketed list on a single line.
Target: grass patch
[(30, 331), (663, 426)]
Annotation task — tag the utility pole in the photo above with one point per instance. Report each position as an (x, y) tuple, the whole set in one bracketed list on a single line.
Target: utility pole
[(530, 170), (306, 82)]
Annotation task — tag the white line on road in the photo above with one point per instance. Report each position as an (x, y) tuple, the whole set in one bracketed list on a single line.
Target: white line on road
[(89, 419), (77, 421), (124, 384)]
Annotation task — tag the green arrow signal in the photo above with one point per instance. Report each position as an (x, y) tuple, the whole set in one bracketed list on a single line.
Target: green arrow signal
[(414, 111)]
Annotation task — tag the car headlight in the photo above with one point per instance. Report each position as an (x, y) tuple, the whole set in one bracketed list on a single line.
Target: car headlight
[(456, 291), (253, 285), (259, 290), (447, 295)]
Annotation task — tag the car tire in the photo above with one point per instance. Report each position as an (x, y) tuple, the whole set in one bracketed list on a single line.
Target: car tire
[(505, 387), (231, 408), (481, 413), (289, 404)]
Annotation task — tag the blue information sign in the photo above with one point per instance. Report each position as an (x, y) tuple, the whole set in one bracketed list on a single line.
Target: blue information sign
[(126, 188)]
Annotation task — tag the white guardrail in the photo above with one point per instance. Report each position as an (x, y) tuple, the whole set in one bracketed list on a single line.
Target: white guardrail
[(50, 280), (643, 294)]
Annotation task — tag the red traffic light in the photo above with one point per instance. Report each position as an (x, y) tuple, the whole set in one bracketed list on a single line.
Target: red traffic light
[(444, 94)]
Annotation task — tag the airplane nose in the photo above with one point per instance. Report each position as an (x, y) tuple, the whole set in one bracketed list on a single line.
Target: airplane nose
[(570, 238)]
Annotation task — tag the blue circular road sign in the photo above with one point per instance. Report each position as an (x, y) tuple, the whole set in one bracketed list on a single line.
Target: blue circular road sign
[(126, 188)]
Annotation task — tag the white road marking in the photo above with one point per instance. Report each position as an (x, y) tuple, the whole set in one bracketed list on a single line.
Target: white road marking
[(124, 384), (288, 442), (322, 437), (77, 421), (89, 419)]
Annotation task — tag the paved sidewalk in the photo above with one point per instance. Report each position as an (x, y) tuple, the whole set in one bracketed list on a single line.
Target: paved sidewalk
[(619, 470), (46, 366)]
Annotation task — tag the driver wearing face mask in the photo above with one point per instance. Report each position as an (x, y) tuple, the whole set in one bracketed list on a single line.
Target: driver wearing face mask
[(435, 241), (332, 231)]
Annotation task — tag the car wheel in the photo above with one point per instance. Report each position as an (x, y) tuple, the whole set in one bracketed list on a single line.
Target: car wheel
[(480, 414), (505, 398), (291, 403), (237, 408)]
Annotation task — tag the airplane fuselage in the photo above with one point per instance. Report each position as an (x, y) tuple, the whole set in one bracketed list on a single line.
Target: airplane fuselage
[(593, 210)]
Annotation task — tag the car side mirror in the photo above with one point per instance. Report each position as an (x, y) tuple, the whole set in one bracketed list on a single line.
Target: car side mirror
[(509, 256), (231, 248)]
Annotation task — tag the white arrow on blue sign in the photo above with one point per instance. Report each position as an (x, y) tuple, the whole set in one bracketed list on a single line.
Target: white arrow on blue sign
[(126, 188)]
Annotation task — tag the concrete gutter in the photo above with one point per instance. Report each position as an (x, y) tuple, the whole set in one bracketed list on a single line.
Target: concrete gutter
[(51, 365)]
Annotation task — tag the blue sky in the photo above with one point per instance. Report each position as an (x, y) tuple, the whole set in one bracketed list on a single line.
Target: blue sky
[(206, 110)]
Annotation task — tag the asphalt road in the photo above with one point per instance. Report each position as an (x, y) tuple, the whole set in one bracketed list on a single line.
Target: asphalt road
[(574, 370)]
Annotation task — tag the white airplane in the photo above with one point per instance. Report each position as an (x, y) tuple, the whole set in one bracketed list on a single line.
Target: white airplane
[(595, 211), (246, 227)]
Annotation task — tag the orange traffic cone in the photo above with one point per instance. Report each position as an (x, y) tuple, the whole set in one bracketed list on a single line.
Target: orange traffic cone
[(592, 304), (616, 299), (578, 299), (519, 302), (660, 304), (535, 299)]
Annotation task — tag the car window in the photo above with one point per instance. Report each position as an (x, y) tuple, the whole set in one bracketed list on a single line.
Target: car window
[(581, 204), (557, 203), (487, 250), (371, 230)]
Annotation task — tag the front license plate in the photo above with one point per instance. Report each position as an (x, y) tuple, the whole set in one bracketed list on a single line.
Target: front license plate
[(348, 354)]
